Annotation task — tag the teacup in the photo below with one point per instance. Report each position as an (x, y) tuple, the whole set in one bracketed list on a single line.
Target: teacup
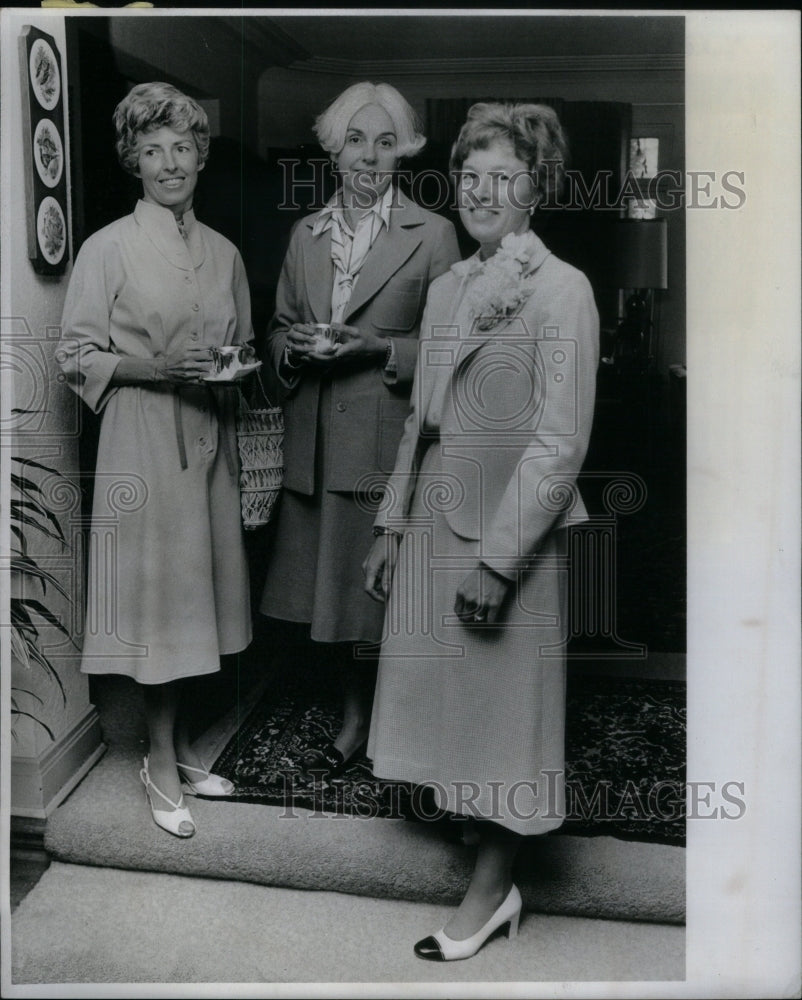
[(231, 357), (326, 339)]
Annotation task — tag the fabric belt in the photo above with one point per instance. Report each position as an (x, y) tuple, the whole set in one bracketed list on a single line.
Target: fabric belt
[(179, 429), (222, 436)]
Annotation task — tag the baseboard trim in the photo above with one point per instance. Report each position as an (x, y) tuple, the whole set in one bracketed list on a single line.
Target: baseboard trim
[(40, 784), (27, 836)]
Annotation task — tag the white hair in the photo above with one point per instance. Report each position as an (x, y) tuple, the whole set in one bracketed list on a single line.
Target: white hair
[(332, 125)]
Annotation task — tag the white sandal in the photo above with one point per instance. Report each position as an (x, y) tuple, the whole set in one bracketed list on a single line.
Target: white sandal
[(212, 785), (168, 820)]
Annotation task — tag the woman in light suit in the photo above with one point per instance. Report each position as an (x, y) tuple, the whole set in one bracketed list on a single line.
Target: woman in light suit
[(363, 264), (470, 696)]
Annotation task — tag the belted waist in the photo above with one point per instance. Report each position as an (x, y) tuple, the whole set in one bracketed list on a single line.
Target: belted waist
[(215, 407)]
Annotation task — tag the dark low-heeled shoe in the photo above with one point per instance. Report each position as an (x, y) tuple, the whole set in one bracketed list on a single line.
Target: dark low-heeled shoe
[(328, 760)]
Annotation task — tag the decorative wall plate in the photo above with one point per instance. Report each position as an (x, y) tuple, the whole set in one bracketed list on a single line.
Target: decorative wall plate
[(44, 151), (48, 152), (51, 230), (45, 74)]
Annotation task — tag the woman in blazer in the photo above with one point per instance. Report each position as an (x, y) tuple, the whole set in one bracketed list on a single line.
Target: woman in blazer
[(362, 264), (470, 696)]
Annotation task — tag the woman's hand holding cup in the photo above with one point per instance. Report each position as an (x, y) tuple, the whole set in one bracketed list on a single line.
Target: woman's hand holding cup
[(356, 343), (313, 343), (186, 365)]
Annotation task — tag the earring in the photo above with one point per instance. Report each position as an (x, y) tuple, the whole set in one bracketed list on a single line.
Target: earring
[(531, 209)]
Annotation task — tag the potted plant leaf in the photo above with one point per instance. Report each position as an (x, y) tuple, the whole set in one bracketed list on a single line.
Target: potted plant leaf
[(31, 585)]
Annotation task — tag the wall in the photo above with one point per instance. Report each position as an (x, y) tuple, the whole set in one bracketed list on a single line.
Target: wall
[(31, 311), (206, 56)]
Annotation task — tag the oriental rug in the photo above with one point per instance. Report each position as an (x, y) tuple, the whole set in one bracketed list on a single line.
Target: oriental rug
[(625, 760)]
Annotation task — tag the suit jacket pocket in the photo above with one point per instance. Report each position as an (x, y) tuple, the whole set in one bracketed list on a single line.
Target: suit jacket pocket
[(397, 308)]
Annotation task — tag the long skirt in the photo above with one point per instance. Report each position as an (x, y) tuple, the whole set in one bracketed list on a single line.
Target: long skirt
[(477, 712), (314, 567)]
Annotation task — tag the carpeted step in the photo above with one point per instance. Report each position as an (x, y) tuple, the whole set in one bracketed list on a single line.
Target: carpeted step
[(97, 925), (106, 822)]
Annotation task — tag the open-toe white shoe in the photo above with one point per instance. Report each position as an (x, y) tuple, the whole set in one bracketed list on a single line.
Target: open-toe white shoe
[(209, 784), (169, 820)]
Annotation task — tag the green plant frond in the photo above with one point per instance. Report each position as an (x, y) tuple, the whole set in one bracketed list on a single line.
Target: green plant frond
[(31, 693), (30, 461), (42, 511), (17, 532), (39, 657), (19, 515), (27, 566), (48, 730), (20, 618), (44, 613), (29, 510), (19, 648), (25, 485)]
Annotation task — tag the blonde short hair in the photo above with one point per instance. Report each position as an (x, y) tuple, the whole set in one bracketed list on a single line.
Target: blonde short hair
[(332, 125), (150, 106), (534, 132)]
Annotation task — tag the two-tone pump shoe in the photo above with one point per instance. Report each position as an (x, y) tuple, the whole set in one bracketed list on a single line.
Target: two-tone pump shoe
[(440, 947)]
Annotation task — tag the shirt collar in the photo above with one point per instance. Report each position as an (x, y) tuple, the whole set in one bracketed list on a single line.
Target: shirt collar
[(380, 208), (162, 229)]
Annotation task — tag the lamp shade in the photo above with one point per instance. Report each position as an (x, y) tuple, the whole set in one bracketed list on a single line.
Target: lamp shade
[(640, 254)]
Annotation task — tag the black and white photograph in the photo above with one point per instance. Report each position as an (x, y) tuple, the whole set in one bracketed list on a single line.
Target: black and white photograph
[(399, 466)]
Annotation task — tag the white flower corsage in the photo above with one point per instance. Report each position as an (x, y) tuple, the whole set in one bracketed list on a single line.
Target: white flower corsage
[(504, 281)]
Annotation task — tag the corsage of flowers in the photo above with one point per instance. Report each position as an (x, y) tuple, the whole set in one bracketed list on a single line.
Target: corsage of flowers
[(503, 284)]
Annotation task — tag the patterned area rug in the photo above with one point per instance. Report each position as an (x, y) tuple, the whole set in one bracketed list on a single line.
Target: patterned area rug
[(625, 760)]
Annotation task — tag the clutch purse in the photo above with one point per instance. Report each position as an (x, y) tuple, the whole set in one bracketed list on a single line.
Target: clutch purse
[(260, 438)]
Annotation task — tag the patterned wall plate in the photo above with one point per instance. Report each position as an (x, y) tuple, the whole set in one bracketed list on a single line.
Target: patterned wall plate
[(45, 75), (51, 230), (48, 152)]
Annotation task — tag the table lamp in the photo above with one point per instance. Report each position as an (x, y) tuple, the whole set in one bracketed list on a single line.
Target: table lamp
[(639, 263)]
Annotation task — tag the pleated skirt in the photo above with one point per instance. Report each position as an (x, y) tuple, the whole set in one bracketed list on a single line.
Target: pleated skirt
[(476, 712)]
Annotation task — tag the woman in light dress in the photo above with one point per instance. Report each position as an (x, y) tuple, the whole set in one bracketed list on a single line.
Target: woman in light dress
[(149, 296)]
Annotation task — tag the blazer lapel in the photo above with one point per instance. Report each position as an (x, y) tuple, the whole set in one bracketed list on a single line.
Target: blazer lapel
[(392, 249), (319, 275)]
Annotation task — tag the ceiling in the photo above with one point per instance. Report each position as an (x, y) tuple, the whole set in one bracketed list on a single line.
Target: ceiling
[(330, 35)]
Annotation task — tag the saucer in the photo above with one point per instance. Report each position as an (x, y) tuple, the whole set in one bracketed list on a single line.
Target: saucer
[(230, 376)]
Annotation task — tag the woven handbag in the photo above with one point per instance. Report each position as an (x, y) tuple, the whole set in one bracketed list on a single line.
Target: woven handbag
[(260, 436)]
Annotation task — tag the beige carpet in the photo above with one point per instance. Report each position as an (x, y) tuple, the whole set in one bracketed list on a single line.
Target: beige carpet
[(106, 822), (96, 925)]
